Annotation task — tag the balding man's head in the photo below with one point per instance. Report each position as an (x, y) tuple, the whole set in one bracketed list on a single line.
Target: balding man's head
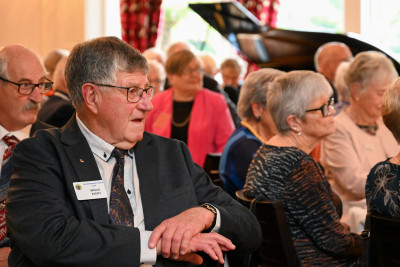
[(329, 56), (19, 65)]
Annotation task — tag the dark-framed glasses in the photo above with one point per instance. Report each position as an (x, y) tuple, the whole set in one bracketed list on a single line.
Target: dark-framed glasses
[(27, 88), (134, 93), (325, 108)]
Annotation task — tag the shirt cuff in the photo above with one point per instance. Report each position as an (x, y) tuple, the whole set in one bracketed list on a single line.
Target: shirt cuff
[(147, 255), (217, 222)]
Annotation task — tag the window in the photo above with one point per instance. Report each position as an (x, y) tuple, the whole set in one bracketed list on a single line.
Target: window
[(323, 16), (181, 23), (380, 25)]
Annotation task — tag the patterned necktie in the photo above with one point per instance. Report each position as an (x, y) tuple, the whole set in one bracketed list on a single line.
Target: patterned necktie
[(120, 208), (6, 171)]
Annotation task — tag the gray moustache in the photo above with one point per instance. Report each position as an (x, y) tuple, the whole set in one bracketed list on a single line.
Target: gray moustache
[(31, 106)]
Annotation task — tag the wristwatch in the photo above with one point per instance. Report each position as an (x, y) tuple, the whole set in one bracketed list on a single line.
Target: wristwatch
[(211, 208)]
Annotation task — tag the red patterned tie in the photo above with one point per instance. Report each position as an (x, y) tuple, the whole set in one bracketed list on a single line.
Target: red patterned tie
[(120, 208), (6, 171)]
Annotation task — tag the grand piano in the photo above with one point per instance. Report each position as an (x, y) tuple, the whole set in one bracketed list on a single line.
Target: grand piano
[(271, 47)]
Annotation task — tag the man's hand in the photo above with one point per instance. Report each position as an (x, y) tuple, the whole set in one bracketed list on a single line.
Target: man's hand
[(4, 256), (212, 244), (177, 232)]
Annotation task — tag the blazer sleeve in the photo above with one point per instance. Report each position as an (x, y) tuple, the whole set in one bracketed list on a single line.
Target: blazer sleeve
[(237, 222), (50, 228)]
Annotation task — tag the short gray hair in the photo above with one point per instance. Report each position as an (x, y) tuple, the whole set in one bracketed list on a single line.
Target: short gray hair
[(292, 94), (367, 67), (99, 61), (3, 64), (254, 90)]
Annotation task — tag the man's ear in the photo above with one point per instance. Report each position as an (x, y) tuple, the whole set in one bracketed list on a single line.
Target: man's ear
[(294, 123), (90, 94)]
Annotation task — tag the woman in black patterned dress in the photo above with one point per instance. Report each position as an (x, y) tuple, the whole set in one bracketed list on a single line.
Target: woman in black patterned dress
[(301, 106), (382, 189)]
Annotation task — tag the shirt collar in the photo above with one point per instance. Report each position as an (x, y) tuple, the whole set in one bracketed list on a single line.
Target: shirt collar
[(21, 134), (98, 146)]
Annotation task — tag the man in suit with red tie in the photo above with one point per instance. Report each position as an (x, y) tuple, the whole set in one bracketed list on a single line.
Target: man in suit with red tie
[(22, 83), (102, 192)]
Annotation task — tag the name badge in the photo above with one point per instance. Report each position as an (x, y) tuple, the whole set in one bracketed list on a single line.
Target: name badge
[(90, 190)]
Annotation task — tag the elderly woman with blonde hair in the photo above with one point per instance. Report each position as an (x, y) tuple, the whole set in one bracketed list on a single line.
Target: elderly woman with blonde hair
[(361, 139), (382, 189), (301, 106), (257, 128)]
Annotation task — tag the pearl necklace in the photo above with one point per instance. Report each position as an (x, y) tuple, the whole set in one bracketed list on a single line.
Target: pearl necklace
[(245, 124)]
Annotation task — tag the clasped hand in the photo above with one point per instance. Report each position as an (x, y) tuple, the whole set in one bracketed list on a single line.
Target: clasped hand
[(180, 237)]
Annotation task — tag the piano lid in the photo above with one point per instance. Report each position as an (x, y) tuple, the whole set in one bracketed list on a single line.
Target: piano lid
[(270, 47)]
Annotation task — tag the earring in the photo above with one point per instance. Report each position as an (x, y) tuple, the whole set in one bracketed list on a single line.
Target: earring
[(258, 119), (299, 133)]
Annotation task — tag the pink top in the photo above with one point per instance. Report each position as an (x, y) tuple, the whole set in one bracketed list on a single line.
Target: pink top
[(210, 123)]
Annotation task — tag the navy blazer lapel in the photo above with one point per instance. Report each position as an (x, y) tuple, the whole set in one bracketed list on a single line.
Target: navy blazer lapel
[(82, 160), (146, 157)]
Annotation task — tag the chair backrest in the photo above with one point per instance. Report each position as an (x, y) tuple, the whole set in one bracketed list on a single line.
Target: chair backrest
[(384, 246), (277, 247), (211, 167)]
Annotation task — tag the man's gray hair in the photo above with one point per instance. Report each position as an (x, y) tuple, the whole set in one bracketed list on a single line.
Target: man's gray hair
[(99, 61), (3, 64), (293, 93)]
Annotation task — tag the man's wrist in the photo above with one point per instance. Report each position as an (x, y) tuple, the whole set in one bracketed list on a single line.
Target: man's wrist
[(212, 209)]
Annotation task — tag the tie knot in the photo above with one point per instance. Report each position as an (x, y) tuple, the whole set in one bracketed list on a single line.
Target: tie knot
[(10, 140), (119, 153)]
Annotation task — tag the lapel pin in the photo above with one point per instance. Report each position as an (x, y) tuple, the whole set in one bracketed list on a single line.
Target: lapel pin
[(81, 160)]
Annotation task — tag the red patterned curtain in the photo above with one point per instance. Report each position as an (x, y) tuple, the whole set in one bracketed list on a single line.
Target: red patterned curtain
[(139, 22), (265, 10)]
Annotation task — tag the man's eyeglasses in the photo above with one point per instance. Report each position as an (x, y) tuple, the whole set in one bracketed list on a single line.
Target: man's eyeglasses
[(27, 88), (134, 93), (325, 108)]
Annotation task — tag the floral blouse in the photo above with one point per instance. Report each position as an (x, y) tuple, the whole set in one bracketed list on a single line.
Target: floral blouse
[(382, 189)]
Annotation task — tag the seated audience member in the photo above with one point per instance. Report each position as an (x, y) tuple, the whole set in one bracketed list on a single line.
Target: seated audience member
[(209, 64), (50, 63), (301, 106), (102, 192), (230, 72), (51, 60), (361, 139), (382, 188), (344, 94), (208, 82), (156, 75), (257, 128), (58, 109), (22, 83), (328, 57), (155, 53), (188, 112)]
